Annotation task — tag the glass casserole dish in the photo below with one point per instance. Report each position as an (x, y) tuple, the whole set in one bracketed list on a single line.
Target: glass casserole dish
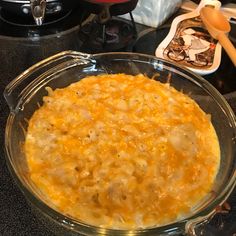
[(24, 95)]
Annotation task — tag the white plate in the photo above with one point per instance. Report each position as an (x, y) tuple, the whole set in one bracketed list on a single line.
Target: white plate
[(188, 43)]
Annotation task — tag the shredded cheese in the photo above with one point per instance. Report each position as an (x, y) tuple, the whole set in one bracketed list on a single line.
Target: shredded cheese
[(122, 151)]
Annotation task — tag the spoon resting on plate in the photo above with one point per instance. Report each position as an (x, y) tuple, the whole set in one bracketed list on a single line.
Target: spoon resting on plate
[(217, 25)]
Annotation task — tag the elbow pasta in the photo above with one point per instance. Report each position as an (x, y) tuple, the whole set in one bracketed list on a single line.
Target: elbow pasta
[(122, 151)]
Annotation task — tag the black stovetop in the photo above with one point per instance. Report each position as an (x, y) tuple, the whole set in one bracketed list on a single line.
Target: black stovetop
[(19, 51)]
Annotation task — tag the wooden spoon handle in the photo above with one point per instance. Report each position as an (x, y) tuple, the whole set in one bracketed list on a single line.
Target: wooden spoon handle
[(228, 46)]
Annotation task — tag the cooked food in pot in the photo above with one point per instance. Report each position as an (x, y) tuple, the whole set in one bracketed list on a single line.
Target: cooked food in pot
[(122, 151)]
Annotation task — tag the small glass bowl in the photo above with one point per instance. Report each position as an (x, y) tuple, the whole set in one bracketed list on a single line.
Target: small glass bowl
[(24, 95)]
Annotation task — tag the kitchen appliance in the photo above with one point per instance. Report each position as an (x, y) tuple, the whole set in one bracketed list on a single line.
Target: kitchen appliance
[(26, 92), (23, 44)]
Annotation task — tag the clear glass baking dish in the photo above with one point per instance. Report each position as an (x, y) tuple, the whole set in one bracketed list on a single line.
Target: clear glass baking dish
[(24, 95)]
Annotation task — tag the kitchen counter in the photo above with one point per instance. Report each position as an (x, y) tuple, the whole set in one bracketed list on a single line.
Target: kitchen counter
[(17, 217)]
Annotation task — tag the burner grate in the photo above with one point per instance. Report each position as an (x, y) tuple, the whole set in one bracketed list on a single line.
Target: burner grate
[(116, 35)]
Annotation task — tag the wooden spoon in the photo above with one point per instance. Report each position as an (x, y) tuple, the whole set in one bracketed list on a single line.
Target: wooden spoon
[(217, 25)]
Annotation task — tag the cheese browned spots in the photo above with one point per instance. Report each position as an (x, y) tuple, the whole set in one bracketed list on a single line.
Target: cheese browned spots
[(122, 151)]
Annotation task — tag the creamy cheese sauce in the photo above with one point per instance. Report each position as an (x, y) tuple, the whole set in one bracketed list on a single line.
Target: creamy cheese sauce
[(122, 151)]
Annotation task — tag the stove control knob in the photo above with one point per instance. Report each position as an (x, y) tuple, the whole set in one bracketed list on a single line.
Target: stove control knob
[(26, 9)]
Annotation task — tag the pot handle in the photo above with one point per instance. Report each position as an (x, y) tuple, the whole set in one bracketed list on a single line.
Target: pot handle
[(38, 8), (16, 88)]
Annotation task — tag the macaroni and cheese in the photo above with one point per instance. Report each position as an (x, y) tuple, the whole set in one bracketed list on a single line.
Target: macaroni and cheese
[(122, 151)]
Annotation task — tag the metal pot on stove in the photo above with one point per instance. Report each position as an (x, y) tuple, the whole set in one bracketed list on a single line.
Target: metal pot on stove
[(38, 8)]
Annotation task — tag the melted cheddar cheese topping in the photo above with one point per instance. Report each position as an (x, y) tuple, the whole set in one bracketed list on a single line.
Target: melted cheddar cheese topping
[(122, 151)]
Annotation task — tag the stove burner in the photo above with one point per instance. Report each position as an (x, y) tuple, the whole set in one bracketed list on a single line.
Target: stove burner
[(12, 25), (26, 21), (115, 35)]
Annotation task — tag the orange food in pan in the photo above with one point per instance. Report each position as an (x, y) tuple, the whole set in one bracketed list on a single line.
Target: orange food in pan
[(122, 151)]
